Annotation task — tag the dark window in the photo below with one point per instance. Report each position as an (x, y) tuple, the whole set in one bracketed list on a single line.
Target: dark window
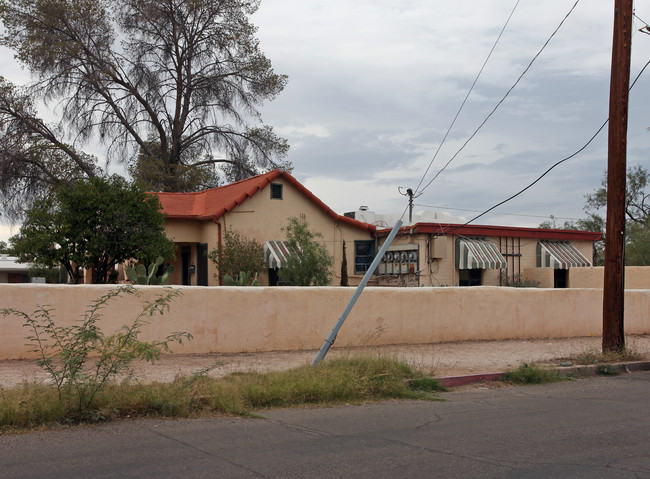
[(202, 264), (469, 277), (276, 191), (559, 278), (186, 258), (364, 253)]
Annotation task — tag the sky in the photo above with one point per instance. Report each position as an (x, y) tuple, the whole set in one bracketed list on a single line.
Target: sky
[(374, 85)]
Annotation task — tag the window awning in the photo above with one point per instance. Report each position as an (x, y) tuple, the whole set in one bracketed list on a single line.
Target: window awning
[(478, 253), (276, 253), (560, 255)]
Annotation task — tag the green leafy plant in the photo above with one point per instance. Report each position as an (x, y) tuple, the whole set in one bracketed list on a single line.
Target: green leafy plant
[(140, 275), (244, 278), (81, 359), (94, 224), (518, 281), (236, 254), (532, 374), (311, 263)]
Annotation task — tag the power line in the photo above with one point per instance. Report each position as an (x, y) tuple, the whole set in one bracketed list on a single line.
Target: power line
[(418, 191), (501, 213), (466, 97), (551, 167)]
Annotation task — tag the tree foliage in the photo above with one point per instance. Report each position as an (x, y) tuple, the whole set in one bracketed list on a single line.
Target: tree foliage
[(96, 224), (34, 161), (236, 254), (176, 79), (311, 265), (152, 174), (637, 211)]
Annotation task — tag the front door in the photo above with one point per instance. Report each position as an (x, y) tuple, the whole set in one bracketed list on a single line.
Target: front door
[(186, 261), (202, 264)]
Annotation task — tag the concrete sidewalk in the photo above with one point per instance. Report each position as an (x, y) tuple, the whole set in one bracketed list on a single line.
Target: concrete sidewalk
[(442, 359)]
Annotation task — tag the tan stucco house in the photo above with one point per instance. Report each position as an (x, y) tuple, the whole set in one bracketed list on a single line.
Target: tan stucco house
[(423, 254), (439, 254), (257, 208)]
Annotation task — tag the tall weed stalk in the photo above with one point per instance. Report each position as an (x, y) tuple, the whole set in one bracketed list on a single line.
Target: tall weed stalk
[(65, 352)]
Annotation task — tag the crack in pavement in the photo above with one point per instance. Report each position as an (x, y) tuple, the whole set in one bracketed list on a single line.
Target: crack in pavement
[(206, 452)]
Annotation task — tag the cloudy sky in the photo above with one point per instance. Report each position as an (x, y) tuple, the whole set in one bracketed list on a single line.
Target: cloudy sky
[(375, 84)]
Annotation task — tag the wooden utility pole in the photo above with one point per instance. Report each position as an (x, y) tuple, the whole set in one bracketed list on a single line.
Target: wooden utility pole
[(614, 285)]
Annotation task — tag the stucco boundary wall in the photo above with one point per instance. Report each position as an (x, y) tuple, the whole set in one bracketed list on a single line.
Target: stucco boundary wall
[(233, 319)]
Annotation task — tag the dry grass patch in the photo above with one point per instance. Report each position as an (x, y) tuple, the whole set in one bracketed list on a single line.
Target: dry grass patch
[(351, 380)]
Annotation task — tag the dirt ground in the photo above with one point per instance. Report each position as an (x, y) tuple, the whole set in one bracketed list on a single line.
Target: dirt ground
[(441, 359)]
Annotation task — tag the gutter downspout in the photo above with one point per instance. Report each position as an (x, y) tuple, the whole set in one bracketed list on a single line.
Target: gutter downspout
[(216, 220)]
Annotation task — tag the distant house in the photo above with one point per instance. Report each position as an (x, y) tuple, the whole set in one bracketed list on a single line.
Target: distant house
[(258, 208), (13, 272), (442, 254)]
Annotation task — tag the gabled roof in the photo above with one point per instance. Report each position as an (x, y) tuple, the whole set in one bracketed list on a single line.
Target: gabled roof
[(212, 204)]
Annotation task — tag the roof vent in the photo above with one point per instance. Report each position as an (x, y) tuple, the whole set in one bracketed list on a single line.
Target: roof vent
[(363, 208)]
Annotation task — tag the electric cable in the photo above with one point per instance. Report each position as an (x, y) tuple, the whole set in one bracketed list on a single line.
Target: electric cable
[(466, 97), (418, 191), (550, 168), (505, 214)]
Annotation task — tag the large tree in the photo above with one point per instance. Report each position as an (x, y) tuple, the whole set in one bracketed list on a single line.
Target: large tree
[(34, 160), (95, 224), (637, 210), (185, 75)]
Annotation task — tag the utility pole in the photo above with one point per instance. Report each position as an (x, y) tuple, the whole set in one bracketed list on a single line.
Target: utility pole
[(614, 288)]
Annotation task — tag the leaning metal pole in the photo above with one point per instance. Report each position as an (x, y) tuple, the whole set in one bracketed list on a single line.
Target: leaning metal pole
[(373, 266)]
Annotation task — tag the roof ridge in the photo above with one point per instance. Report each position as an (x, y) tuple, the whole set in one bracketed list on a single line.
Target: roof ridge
[(251, 178)]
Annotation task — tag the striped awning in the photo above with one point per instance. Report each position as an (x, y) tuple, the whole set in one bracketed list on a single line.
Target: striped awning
[(276, 253), (478, 253), (560, 255)]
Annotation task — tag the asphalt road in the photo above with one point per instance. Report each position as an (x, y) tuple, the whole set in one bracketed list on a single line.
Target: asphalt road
[(593, 428)]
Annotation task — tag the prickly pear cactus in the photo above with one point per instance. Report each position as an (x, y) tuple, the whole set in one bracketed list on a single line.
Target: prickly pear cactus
[(242, 279), (144, 276)]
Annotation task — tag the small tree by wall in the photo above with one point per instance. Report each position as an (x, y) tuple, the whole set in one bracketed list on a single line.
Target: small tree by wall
[(93, 224), (236, 254), (344, 267), (311, 264)]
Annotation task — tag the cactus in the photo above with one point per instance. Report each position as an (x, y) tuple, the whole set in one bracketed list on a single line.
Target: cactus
[(242, 279), (140, 275)]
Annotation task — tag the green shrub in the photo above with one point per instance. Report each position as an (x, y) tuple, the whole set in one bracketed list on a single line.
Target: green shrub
[(531, 374), (81, 359)]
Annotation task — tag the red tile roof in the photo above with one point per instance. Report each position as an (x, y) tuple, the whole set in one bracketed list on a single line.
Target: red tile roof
[(214, 203)]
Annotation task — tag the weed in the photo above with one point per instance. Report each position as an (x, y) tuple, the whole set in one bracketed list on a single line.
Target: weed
[(64, 351), (608, 370), (597, 356), (531, 374), (339, 381)]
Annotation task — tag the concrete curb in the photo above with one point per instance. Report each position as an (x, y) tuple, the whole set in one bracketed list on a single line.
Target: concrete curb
[(568, 371)]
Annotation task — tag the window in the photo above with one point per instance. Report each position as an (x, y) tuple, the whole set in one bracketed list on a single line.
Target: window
[(364, 253), (276, 191), (469, 277)]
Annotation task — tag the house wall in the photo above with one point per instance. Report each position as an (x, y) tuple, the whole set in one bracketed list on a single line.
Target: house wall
[(437, 261), (544, 276), (636, 277), (230, 319), (262, 218)]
